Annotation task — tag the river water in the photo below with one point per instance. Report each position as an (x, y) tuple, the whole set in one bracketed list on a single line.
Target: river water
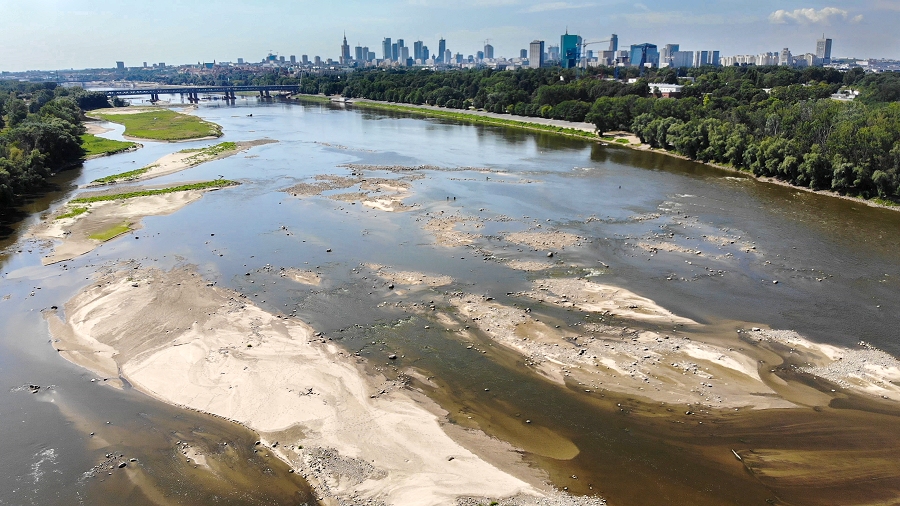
[(836, 263)]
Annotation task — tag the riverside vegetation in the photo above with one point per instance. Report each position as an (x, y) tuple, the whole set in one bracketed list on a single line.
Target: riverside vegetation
[(771, 121), (40, 133)]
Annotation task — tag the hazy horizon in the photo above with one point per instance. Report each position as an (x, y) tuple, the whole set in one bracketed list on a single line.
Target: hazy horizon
[(60, 34)]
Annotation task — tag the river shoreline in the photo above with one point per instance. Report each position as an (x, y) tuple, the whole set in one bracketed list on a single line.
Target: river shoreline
[(634, 143)]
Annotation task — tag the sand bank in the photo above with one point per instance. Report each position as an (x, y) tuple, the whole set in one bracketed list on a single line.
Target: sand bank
[(177, 162), (382, 194), (355, 437), (70, 237)]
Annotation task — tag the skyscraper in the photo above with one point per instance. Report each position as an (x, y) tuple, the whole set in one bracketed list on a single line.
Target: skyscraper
[(570, 50), (417, 50), (395, 52), (425, 53), (823, 50), (523, 53), (786, 58), (614, 43), (536, 54), (386, 48), (488, 51), (642, 54), (479, 55), (442, 48), (448, 56), (345, 51), (668, 51)]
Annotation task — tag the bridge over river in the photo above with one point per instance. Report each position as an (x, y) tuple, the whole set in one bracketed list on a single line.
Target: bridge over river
[(193, 92)]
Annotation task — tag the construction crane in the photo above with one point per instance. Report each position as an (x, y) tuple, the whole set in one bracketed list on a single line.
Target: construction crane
[(583, 63)]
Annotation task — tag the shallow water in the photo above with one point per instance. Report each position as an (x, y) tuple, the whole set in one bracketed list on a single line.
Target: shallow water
[(631, 455)]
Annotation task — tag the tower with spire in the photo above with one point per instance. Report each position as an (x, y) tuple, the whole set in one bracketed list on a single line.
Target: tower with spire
[(345, 51)]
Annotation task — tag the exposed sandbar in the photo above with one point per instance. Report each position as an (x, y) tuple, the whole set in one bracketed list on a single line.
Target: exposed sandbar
[(175, 337)]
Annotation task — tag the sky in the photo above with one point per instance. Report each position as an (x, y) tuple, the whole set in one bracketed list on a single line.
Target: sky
[(63, 34)]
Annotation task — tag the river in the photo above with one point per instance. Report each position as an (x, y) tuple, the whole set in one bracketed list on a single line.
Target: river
[(718, 242)]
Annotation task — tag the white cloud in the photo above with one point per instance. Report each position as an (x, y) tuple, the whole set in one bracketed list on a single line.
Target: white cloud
[(556, 6), (806, 16)]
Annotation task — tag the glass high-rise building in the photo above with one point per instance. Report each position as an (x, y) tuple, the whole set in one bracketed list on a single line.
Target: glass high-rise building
[(823, 50), (442, 48), (386, 48), (642, 54), (569, 50)]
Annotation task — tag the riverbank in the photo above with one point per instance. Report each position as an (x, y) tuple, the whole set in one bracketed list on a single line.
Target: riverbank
[(159, 124), (588, 131), (581, 130)]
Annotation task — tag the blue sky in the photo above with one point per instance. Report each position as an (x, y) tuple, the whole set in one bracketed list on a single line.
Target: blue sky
[(50, 34)]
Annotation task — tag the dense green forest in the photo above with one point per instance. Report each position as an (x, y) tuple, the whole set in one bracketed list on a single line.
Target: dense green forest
[(40, 133), (772, 121)]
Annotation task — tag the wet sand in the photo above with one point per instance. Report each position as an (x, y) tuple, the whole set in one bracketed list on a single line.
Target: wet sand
[(354, 436)]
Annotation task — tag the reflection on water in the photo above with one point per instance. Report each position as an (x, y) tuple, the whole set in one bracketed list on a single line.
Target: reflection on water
[(835, 261)]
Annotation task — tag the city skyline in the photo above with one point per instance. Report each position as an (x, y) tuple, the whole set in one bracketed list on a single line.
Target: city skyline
[(86, 34)]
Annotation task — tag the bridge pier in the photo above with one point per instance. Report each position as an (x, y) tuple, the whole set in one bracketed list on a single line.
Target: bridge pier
[(154, 98)]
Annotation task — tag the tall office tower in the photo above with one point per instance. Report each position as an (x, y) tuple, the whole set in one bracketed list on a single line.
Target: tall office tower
[(442, 48), (386, 48), (318, 61), (536, 54), (241, 60), (570, 50), (417, 50), (358, 53), (425, 53), (667, 52), (714, 58), (293, 60), (614, 43), (404, 54), (553, 53), (479, 55), (400, 44), (120, 65), (488, 51), (786, 58), (523, 54), (823, 50), (642, 54), (448, 56), (682, 59), (304, 59), (365, 53), (395, 52), (702, 58), (345, 51)]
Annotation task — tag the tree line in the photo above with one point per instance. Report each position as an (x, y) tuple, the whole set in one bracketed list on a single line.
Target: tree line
[(40, 133), (771, 121)]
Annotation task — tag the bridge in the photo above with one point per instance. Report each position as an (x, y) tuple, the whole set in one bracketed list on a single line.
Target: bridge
[(193, 92)]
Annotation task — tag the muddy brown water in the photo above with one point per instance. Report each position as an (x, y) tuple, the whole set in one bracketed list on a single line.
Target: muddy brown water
[(836, 262)]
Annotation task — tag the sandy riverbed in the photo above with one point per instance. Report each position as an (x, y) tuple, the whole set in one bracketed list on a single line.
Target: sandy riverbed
[(177, 162), (68, 238), (356, 437)]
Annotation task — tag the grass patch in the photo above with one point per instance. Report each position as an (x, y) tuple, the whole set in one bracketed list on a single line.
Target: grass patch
[(622, 141), (164, 125), (885, 202), (112, 232), (207, 154), (473, 118), (218, 183), (124, 176), (99, 146), (75, 211), (313, 98)]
